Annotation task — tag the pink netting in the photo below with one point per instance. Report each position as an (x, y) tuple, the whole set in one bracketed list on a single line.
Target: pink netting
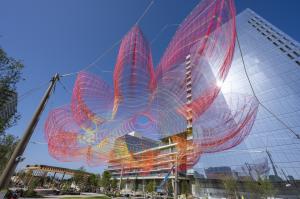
[(154, 103)]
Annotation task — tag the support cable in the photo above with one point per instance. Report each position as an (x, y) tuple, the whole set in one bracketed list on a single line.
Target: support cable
[(64, 87), (161, 31), (26, 94), (144, 13), (29, 92), (262, 105), (92, 64)]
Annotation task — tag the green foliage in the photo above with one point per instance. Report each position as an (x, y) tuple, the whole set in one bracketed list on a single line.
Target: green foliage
[(7, 145), (93, 182), (170, 187), (266, 188), (184, 187), (79, 177), (65, 186), (31, 194), (114, 183), (136, 184), (105, 181), (231, 186), (33, 183), (262, 188), (31, 186), (122, 184), (96, 197), (10, 74), (150, 187)]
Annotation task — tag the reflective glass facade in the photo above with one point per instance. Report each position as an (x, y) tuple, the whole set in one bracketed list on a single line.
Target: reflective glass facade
[(272, 63)]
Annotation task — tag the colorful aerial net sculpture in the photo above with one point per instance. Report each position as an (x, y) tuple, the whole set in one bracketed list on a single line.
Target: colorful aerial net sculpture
[(94, 126)]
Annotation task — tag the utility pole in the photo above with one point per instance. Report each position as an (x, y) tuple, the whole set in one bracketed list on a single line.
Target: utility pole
[(21, 146)]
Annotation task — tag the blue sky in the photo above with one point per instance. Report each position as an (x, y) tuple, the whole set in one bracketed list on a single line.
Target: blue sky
[(52, 36)]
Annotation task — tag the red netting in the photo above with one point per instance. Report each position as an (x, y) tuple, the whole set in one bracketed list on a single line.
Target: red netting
[(155, 103)]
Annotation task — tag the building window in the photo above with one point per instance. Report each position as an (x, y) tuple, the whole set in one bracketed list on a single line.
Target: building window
[(275, 43), (282, 50), (297, 54), (288, 47), (298, 62), (290, 56), (269, 38), (280, 41)]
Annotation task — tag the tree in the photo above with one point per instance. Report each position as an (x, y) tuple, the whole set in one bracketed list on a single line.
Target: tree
[(79, 177), (150, 187), (10, 74), (114, 183), (135, 184), (122, 186), (262, 188), (231, 187), (170, 188), (266, 188), (7, 145), (105, 180), (92, 182), (184, 187), (252, 188), (99, 180), (30, 192)]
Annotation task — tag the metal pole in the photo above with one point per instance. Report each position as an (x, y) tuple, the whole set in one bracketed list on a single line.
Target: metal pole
[(176, 179), (273, 166), (120, 183), (20, 148), (45, 177)]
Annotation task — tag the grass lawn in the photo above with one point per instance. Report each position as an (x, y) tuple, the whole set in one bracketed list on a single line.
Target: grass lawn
[(95, 197)]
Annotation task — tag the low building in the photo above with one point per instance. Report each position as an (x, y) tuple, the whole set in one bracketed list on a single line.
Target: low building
[(150, 164), (218, 172)]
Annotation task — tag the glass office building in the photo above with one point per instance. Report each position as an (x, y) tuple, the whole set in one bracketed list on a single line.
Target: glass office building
[(266, 64), (272, 68)]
